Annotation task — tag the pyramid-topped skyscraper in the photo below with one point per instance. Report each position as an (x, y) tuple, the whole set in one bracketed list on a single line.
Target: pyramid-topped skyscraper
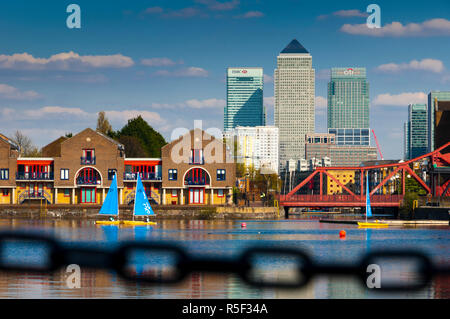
[(294, 101)]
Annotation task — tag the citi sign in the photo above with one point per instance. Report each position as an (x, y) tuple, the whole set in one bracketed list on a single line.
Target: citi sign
[(350, 71)]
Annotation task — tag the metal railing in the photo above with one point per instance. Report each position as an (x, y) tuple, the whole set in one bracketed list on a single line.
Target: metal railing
[(88, 181), (189, 181), (144, 176), (27, 176), (39, 194), (196, 161), (88, 160)]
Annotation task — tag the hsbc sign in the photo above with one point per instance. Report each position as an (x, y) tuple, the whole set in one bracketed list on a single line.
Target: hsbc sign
[(245, 72)]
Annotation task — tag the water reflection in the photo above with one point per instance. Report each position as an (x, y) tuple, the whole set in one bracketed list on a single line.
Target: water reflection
[(224, 238)]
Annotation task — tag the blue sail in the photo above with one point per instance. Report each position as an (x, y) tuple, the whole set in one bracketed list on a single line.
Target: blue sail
[(111, 203), (368, 209), (141, 205)]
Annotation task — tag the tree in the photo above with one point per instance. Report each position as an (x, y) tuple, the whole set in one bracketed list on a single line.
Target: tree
[(133, 147), (26, 146), (150, 140), (103, 125)]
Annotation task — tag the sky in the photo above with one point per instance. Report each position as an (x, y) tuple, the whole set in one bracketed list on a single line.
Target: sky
[(166, 60)]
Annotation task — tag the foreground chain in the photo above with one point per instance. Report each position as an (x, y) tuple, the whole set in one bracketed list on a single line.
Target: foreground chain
[(178, 264)]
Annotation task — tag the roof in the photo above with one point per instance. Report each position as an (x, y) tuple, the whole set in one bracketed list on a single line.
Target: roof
[(10, 142), (294, 47)]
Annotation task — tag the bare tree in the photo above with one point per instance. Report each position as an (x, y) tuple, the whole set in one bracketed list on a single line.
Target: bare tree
[(103, 125), (27, 148)]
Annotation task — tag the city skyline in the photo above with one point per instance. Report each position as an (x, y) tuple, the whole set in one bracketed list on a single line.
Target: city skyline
[(127, 61)]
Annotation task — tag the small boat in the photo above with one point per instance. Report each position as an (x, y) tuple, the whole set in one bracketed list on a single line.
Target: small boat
[(141, 206), (366, 224), (110, 205)]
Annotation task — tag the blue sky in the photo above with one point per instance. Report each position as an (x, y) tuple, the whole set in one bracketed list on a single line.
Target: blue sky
[(166, 60)]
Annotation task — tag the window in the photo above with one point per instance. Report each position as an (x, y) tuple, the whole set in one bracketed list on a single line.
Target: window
[(4, 174), (67, 193), (111, 173), (5, 192), (174, 193), (173, 174), (64, 174), (197, 156), (221, 175), (220, 193)]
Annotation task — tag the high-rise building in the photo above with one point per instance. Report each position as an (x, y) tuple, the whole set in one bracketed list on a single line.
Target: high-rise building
[(433, 99), (244, 98), (416, 139), (294, 100), (256, 146), (406, 140), (348, 106)]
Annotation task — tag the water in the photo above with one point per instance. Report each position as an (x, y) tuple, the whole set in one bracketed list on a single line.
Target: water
[(225, 238)]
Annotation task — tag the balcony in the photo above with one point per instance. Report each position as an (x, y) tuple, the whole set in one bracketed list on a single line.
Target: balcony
[(88, 181), (144, 176), (24, 176), (88, 160), (196, 161), (196, 182)]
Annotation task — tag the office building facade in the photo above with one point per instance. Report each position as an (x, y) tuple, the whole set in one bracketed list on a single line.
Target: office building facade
[(257, 147), (433, 100), (294, 89), (348, 106), (416, 139), (244, 98)]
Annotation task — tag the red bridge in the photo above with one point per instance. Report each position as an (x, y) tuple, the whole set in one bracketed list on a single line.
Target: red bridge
[(436, 183)]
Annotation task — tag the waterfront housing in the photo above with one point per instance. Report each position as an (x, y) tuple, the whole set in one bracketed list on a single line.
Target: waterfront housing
[(80, 169)]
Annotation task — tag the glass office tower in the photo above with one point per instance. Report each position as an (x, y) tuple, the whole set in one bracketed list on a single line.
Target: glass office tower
[(348, 106), (416, 130), (244, 98)]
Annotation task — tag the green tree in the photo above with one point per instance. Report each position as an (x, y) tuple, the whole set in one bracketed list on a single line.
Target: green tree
[(103, 125), (133, 147), (151, 141)]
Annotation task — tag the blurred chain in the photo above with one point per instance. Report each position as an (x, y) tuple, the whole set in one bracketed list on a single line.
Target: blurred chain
[(118, 259)]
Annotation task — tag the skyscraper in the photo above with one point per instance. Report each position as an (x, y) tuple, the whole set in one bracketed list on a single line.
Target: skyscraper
[(416, 139), (348, 106), (244, 98), (434, 97), (294, 100)]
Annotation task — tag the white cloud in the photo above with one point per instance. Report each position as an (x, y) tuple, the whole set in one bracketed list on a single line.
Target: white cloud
[(432, 27), (402, 99), (159, 62), (320, 102), (12, 93), (64, 61), (431, 65), (208, 103), (251, 14), (268, 78), (55, 110), (219, 6), (350, 13), (269, 101), (185, 72)]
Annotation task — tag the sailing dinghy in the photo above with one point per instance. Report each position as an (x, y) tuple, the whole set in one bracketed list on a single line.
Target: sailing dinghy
[(367, 224), (141, 206)]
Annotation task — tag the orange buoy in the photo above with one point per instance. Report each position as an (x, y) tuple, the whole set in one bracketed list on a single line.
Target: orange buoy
[(243, 225), (342, 234)]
